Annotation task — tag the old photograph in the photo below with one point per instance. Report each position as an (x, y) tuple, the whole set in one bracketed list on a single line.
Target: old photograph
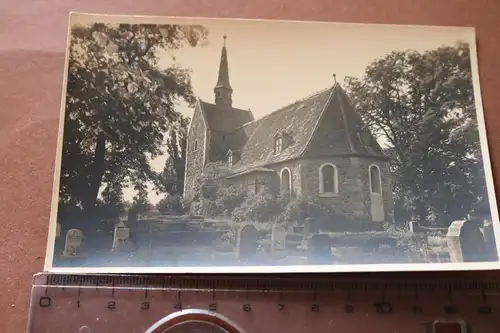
[(211, 145)]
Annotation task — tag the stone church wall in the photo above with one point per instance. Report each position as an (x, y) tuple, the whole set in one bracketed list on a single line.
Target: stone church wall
[(217, 146), (254, 182), (353, 199)]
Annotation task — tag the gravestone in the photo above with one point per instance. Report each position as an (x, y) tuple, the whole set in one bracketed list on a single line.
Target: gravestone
[(73, 244), (319, 248), (121, 236), (466, 242), (278, 238), (489, 240), (246, 242)]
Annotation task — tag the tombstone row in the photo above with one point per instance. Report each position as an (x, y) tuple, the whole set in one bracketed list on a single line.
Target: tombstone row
[(470, 240), (73, 243)]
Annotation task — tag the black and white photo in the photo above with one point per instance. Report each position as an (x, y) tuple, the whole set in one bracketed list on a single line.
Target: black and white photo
[(210, 145)]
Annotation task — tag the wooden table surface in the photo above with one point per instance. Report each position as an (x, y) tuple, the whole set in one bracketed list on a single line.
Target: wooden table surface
[(32, 42)]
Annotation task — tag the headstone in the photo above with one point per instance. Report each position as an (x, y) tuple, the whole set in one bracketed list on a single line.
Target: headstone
[(278, 238), (466, 242), (412, 226), (319, 248), (73, 244), (246, 242), (121, 236), (58, 230), (489, 240)]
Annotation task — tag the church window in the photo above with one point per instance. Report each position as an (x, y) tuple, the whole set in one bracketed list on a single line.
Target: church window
[(195, 145), (375, 180), (286, 180), (328, 179), (230, 159), (278, 145), (257, 185)]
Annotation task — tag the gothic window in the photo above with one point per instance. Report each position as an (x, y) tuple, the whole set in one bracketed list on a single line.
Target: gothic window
[(375, 180), (328, 179), (278, 145), (195, 145), (230, 159), (257, 185), (286, 180)]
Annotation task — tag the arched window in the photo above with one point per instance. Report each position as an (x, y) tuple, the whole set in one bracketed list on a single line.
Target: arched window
[(328, 179), (195, 145), (375, 180), (286, 180)]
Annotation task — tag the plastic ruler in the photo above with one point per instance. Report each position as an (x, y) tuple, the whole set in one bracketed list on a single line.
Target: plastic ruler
[(231, 304)]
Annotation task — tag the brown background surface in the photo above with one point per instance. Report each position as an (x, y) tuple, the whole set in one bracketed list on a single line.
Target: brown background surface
[(32, 42)]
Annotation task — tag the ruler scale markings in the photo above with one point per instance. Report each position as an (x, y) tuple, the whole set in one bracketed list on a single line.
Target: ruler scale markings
[(237, 287)]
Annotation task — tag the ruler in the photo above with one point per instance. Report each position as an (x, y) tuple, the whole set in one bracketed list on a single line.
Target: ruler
[(253, 304)]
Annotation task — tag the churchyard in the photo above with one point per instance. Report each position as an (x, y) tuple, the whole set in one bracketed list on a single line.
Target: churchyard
[(169, 240)]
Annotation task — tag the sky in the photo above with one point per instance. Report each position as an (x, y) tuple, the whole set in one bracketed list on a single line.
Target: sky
[(272, 64)]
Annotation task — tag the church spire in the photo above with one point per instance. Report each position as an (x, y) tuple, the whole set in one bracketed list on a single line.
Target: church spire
[(223, 91)]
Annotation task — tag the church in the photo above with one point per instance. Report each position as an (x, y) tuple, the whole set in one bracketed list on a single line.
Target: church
[(317, 146)]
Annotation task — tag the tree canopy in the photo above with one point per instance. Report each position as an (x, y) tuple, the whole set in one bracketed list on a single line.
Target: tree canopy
[(422, 105), (119, 106), (171, 179)]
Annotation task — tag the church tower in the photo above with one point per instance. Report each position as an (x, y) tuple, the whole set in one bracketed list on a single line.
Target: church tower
[(223, 91)]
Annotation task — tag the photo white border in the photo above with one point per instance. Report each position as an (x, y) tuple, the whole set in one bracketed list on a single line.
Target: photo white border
[(407, 267)]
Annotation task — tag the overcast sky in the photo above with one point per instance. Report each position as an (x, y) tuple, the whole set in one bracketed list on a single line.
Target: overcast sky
[(272, 64)]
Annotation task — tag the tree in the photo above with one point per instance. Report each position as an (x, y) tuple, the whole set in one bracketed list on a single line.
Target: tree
[(119, 104), (171, 204), (171, 179), (422, 106)]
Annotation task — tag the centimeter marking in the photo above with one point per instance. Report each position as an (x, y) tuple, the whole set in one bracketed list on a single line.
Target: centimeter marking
[(180, 302), (248, 284), (242, 296)]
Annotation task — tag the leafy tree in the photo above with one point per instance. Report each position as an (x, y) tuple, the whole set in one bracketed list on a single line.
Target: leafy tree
[(262, 207), (171, 179), (171, 204), (119, 104), (422, 105)]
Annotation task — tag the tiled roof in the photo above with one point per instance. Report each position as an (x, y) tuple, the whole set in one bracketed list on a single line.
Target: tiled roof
[(219, 120), (298, 120), (324, 123), (329, 109)]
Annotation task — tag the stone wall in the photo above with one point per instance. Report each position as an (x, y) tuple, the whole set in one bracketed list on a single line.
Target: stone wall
[(195, 157), (256, 181), (217, 146), (353, 199)]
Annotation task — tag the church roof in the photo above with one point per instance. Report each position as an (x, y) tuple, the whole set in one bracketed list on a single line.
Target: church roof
[(223, 78), (222, 119), (301, 120), (323, 124)]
